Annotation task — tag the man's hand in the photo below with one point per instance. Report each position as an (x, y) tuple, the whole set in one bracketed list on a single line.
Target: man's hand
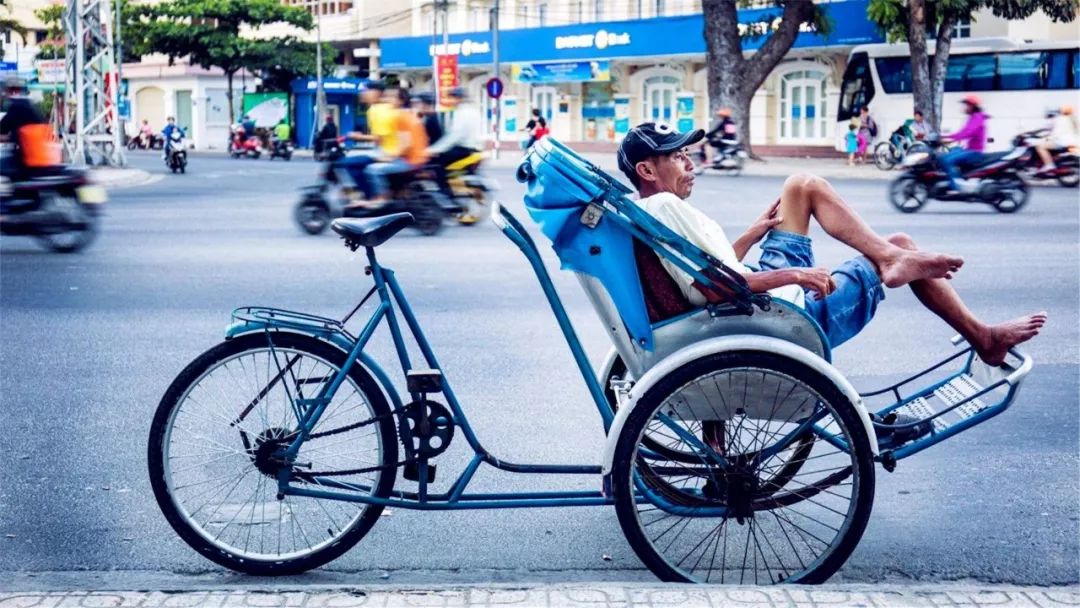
[(818, 280), (757, 231)]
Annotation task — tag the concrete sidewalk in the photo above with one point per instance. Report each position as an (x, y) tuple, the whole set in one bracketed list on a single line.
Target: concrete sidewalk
[(113, 177), (600, 595)]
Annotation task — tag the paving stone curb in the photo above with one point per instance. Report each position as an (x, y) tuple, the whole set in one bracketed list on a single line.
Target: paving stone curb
[(568, 596)]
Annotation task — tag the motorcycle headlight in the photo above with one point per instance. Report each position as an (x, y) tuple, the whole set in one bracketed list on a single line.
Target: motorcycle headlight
[(915, 158)]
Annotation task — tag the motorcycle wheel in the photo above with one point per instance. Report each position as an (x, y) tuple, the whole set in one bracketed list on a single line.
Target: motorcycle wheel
[(313, 215), (288, 156), (1072, 178), (1012, 196), (131, 145), (737, 169), (884, 158), (907, 194), (183, 166), (428, 213), (74, 239)]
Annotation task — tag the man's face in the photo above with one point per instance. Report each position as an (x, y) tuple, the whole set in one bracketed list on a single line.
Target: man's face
[(673, 172), (370, 96)]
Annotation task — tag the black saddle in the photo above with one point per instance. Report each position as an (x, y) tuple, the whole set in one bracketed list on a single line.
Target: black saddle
[(371, 232)]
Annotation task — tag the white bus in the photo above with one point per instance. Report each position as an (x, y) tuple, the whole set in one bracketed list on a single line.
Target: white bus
[(1017, 81)]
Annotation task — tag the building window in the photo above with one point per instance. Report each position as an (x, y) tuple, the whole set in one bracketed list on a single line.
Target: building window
[(541, 14), (639, 7), (478, 19), (581, 11), (523, 14), (803, 106), (661, 8), (963, 28), (598, 10)]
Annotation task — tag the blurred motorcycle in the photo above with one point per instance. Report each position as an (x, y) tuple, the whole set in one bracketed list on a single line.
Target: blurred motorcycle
[(1066, 163), (59, 207), (176, 152), (993, 180)]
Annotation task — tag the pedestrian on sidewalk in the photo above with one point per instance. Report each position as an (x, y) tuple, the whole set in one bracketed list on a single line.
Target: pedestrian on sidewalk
[(867, 132), (852, 143)]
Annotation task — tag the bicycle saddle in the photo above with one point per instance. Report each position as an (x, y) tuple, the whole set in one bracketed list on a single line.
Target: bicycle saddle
[(371, 232)]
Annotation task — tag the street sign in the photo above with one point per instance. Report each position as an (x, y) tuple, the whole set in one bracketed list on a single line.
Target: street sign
[(494, 87), (9, 66), (446, 70), (123, 106)]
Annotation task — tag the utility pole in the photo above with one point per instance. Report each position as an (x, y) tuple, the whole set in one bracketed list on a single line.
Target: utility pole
[(320, 94), (119, 69), (495, 59), (91, 119)]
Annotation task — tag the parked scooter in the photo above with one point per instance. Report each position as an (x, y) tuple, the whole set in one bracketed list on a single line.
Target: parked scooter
[(995, 180), (242, 145), (1066, 163), (155, 142), (58, 207), (728, 157), (281, 149), (176, 153)]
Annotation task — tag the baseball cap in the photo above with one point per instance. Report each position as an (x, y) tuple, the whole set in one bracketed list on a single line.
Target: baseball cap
[(650, 139)]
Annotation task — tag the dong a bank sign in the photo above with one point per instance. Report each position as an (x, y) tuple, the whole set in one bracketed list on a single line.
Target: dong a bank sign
[(663, 36)]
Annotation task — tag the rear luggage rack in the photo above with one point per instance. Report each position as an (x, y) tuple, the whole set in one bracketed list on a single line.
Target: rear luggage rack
[(956, 402), (260, 317)]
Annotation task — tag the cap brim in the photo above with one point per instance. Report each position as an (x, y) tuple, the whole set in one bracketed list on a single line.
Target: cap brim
[(685, 139)]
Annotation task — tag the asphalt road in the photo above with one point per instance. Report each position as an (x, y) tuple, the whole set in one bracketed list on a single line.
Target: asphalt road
[(89, 342)]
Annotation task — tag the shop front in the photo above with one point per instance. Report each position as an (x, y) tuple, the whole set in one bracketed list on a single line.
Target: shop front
[(342, 101), (593, 81)]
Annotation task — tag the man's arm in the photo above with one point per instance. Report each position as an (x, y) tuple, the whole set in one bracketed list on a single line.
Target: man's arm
[(818, 280), (757, 230)]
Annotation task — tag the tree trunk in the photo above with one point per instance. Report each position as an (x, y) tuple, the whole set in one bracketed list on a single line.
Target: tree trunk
[(940, 67), (920, 63), (733, 79), (229, 93)]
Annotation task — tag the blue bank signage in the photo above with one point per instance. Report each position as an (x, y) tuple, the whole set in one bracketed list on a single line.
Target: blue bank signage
[(663, 36)]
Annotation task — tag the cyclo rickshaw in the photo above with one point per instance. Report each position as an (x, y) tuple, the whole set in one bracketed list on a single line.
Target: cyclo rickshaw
[(735, 452)]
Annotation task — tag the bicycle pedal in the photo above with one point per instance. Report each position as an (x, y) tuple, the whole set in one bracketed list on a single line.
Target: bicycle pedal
[(424, 381), (412, 472)]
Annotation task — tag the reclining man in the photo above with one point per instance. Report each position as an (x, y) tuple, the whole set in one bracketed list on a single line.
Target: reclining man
[(655, 159)]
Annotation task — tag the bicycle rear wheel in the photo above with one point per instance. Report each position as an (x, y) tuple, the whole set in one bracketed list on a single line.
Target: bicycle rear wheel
[(705, 523), (212, 444)]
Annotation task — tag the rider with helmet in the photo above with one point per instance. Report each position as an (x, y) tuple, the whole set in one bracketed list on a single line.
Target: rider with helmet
[(462, 137), (973, 135), (724, 134), (1064, 132)]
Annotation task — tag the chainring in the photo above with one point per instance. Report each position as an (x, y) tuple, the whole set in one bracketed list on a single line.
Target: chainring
[(430, 429)]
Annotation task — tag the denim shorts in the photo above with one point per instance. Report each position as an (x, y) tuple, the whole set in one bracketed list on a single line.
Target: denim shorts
[(845, 311)]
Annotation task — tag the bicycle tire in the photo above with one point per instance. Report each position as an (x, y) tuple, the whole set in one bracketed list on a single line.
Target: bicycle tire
[(626, 494), (219, 551)]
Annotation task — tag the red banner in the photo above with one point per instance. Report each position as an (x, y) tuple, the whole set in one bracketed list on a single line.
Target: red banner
[(446, 74)]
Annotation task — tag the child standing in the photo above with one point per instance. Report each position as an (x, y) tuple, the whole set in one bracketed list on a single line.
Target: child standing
[(852, 143)]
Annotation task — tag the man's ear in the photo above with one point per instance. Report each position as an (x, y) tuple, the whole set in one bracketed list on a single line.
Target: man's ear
[(645, 171)]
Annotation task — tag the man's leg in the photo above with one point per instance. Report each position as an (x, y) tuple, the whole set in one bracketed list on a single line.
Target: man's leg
[(806, 196), (991, 342)]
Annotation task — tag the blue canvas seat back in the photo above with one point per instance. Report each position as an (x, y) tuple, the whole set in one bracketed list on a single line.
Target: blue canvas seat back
[(559, 187)]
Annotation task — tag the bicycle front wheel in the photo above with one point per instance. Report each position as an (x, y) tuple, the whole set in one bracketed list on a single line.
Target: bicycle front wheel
[(744, 523), (212, 450)]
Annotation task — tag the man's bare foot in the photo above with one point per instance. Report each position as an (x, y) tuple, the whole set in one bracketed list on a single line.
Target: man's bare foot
[(1003, 336), (911, 266)]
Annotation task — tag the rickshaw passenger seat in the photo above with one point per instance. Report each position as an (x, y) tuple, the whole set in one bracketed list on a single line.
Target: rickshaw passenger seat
[(663, 298)]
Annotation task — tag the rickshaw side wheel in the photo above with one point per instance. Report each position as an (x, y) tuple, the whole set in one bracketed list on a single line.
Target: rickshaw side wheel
[(698, 523)]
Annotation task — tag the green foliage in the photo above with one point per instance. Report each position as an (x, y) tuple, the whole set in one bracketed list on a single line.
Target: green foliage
[(892, 15), (53, 18), (209, 31), (291, 59)]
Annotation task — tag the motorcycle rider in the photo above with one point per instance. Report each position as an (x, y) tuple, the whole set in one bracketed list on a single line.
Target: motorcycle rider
[(461, 140), (411, 151), (381, 130), (146, 135), (27, 129), (973, 135), (724, 135), (424, 104), (170, 128), (282, 133), (1064, 132), (327, 133)]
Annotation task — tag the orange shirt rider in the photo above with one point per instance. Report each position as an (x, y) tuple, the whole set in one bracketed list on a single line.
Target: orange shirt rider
[(412, 136)]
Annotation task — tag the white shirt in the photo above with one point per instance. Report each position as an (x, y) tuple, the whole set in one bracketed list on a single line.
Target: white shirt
[(706, 234), (466, 129)]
